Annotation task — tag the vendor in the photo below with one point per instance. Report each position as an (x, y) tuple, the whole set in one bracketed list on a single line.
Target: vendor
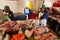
[(9, 12), (43, 15)]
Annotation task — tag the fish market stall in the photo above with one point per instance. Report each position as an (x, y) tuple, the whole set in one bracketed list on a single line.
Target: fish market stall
[(26, 30)]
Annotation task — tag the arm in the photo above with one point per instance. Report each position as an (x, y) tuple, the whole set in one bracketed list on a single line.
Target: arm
[(11, 15)]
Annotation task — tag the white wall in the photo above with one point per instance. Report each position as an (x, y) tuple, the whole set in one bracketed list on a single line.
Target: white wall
[(21, 5), (12, 4), (49, 3)]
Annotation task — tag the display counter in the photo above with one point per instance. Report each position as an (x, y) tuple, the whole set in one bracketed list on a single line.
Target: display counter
[(25, 30), (54, 22)]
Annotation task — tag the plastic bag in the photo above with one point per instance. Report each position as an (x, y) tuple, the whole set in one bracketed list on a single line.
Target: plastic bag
[(9, 19), (36, 23)]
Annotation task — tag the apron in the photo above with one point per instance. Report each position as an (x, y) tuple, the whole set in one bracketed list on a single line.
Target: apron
[(43, 22)]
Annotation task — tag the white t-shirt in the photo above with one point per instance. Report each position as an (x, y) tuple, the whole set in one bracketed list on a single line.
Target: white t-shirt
[(40, 14), (43, 22)]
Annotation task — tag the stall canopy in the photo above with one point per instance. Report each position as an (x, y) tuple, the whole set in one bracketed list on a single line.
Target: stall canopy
[(56, 4)]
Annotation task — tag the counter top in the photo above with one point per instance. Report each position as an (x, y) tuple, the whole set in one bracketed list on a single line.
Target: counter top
[(57, 19)]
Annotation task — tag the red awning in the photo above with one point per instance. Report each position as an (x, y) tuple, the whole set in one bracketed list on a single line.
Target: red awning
[(57, 4), (58, 0)]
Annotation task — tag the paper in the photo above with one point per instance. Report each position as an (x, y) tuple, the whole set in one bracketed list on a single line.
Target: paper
[(27, 10), (36, 23), (28, 33)]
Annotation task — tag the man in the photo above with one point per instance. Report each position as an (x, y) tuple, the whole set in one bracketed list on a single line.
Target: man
[(10, 13), (44, 17)]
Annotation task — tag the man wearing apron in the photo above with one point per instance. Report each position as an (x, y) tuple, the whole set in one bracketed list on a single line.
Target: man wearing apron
[(44, 16)]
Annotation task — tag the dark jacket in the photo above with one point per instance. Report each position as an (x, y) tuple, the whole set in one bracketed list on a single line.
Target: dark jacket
[(11, 15), (45, 15)]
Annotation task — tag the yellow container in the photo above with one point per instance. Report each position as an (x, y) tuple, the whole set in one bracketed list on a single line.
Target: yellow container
[(30, 5)]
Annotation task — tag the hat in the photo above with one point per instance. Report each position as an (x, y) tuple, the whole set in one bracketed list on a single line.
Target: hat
[(7, 7), (43, 6)]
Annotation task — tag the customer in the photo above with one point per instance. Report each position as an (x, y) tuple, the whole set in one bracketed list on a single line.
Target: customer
[(10, 13), (33, 15)]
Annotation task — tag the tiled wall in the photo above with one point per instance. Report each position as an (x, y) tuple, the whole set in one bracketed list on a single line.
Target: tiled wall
[(22, 4)]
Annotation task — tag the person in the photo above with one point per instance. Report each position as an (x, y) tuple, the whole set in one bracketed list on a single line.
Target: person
[(33, 15), (44, 16), (9, 12)]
